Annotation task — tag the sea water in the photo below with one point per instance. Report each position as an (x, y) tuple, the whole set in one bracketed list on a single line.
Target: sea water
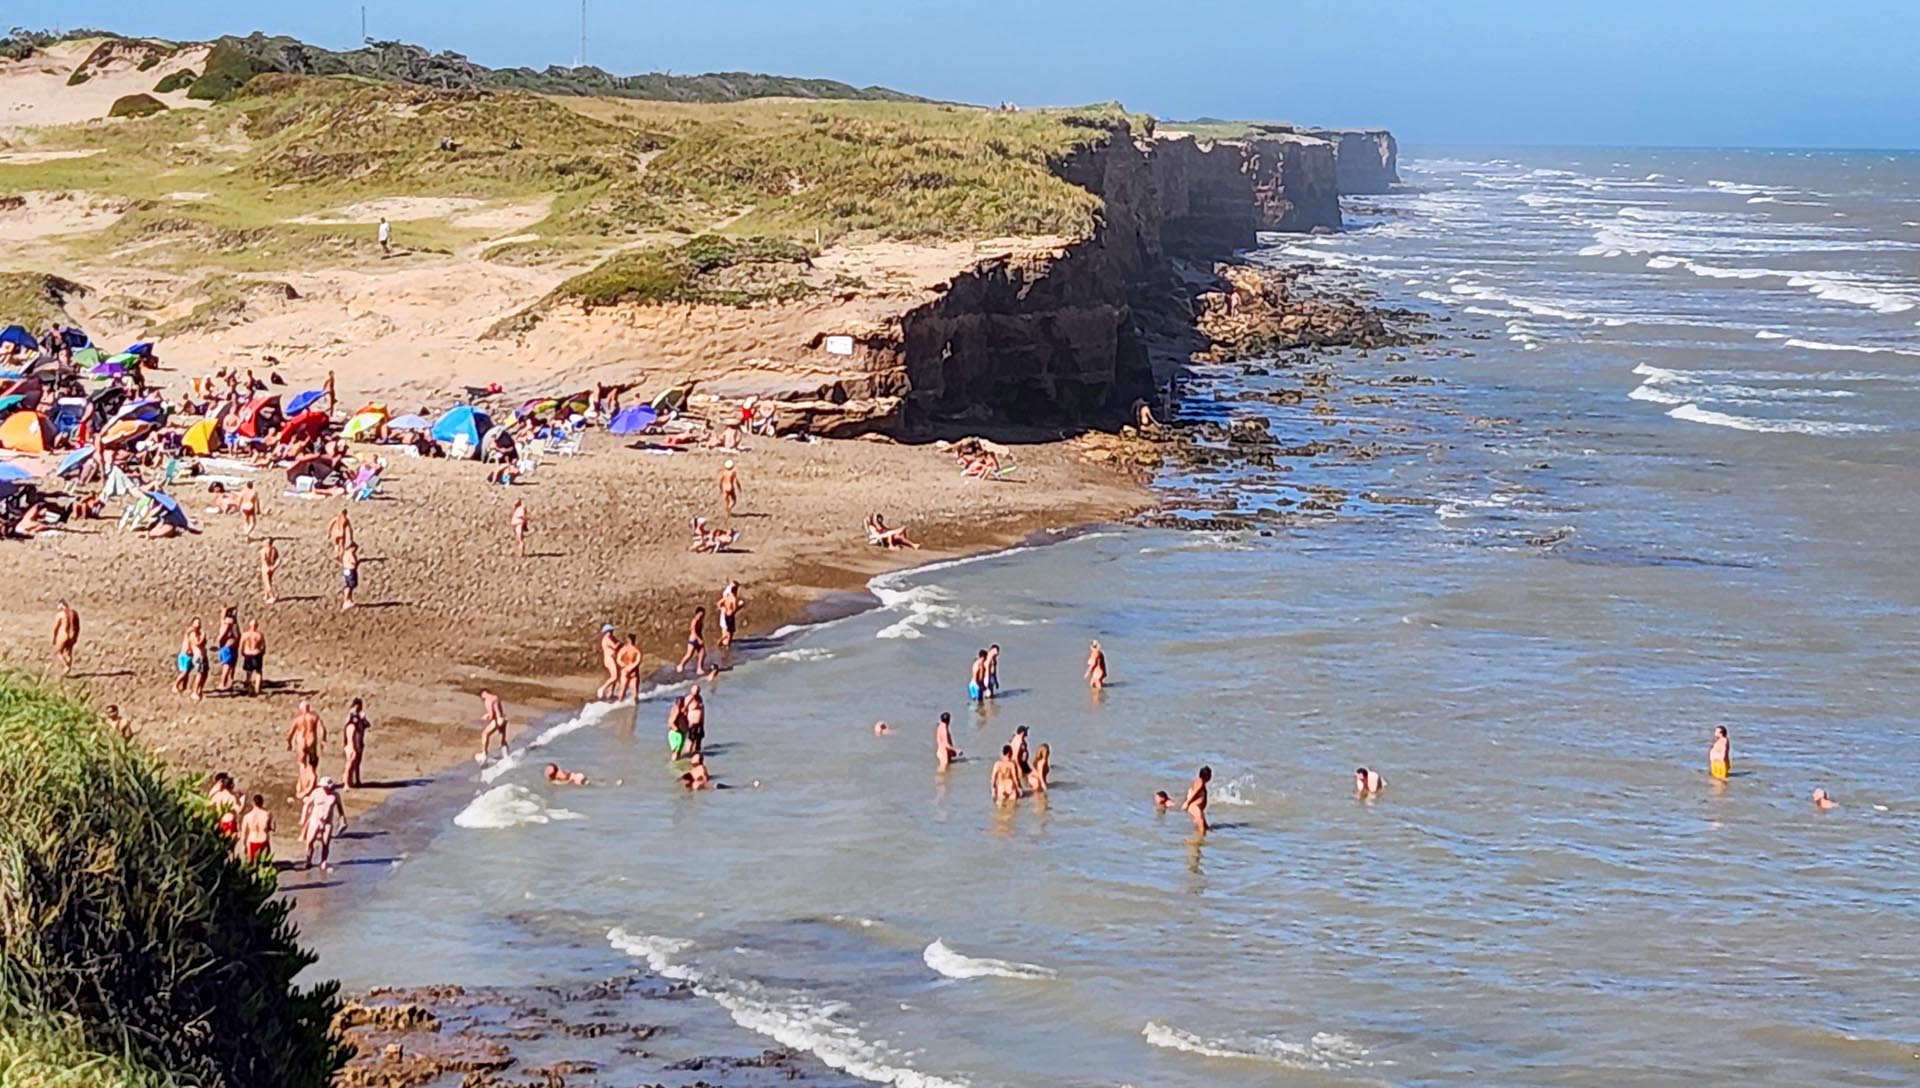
[(1674, 486)]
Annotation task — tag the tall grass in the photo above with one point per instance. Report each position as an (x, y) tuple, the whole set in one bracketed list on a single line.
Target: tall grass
[(126, 920)]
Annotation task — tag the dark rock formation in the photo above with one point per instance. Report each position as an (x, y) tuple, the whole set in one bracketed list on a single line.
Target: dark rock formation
[(1368, 158)]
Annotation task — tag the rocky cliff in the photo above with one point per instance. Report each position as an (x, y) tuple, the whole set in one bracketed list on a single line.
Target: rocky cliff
[(1054, 337), (1368, 158)]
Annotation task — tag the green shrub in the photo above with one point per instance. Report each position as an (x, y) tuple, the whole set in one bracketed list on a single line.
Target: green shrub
[(125, 915), (148, 62), (36, 1052), (79, 76), (692, 273), (135, 105), (174, 81), (228, 69)]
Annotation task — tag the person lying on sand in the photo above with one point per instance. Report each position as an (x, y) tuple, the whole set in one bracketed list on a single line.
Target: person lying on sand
[(879, 533), (224, 501), (565, 778)]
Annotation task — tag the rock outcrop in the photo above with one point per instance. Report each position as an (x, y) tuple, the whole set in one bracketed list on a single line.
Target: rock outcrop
[(1296, 185), (1368, 158)]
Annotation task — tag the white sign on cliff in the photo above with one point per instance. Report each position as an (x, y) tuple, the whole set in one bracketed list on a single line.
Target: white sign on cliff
[(839, 345)]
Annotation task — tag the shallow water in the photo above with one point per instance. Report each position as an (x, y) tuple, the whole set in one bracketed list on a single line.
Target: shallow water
[(1551, 890)]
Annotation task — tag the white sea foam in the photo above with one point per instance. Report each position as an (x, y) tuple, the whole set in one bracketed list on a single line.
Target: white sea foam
[(509, 806), (1693, 413), (1863, 349), (953, 964), (802, 654), (790, 1019), (1325, 1050), (1654, 393)]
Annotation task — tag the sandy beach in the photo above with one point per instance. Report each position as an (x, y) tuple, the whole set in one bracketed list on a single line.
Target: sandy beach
[(446, 608)]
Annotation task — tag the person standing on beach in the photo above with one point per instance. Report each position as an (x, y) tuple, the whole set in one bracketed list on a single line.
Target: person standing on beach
[(305, 734), (226, 646), (349, 574), (253, 657), (256, 831), (728, 609), (321, 817), (340, 532), (269, 566), (66, 635), (1196, 802), (1720, 756), (327, 389), (517, 521), (977, 679), (729, 487), (353, 735), (249, 508), (386, 238), (696, 643), (494, 722), (1096, 667), (944, 753), (193, 661), (609, 651), (626, 662)]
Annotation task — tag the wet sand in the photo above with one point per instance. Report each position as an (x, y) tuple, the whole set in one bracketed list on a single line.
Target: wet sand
[(446, 608)]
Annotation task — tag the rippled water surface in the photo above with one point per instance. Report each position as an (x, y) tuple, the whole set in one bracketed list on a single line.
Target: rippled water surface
[(1673, 487)]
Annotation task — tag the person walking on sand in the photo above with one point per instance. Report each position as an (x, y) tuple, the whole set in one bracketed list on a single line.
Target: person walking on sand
[(1196, 803), (626, 663), (494, 722), (386, 238), (517, 521), (944, 753), (305, 734), (253, 658), (256, 832), (66, 635), (728, 609), (1720, 756), (322, 816), (609, 653), (269, 566), (249, 508), (353, 734), (696, 643), (1096, 667), (226, 646), (349, 574), (729, 487), (192, 661), (340, 532)]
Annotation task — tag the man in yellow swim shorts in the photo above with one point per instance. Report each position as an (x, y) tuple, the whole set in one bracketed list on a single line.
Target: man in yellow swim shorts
[(1720, 756)]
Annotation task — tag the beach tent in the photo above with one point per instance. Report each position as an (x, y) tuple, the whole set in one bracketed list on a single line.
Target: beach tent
[(27, 432), (72, 463), (462, 423), (633, 420), (203, 437), (365, 422), (302, 401), (19, 337), (409, 422), (304, 425), (260, 418), (673, 400)]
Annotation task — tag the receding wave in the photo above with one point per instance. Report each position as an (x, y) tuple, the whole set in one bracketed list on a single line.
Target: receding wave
[(791, 1019), (509, 806), (589, 715), (1693, 413), (953, 964), (1325, 1050)]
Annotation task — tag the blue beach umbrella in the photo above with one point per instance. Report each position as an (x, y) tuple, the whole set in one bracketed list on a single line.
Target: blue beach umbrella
[(408, 423), (169, 508), (146, 410), (11, 401), (633, 420), (11, 473), (71, 463), (465, 422), (300, 401)]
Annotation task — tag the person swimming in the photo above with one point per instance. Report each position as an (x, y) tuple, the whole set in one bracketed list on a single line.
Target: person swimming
[(1822, 801), (565, 778), (1367, 783)]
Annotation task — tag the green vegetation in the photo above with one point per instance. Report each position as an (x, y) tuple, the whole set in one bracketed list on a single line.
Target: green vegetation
[(35, 299), (79, 76), (175, 81), (148, 63), (227, 70), (130, 930), (21, 43), (708, 269), (135, 105), (1217, 129)]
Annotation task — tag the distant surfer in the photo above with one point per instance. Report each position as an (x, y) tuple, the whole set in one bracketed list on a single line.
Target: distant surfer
[(1720, 756)]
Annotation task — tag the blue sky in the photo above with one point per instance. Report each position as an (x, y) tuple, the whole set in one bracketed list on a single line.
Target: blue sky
[(1629, 72)]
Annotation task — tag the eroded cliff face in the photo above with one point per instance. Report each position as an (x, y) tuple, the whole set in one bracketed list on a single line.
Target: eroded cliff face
[(1368, 159), (1296, 184)]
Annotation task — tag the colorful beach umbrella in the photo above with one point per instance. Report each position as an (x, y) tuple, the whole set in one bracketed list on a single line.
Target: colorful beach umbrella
[(12, 473), (72, 462), (123, 432), (633, 420), (169, 507), (108, 370), (89, 357), (409, 423), (11, 401), (302, 401), (304, 425), (146, 410), (203, 437)]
